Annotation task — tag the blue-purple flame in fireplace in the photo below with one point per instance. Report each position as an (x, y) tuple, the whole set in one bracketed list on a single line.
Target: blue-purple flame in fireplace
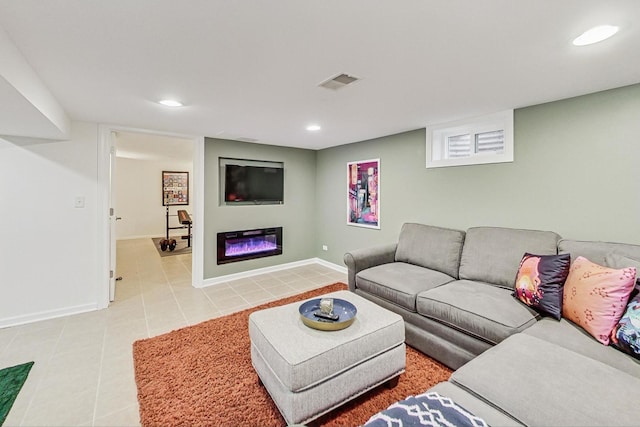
[(243, 245), (250, 245)]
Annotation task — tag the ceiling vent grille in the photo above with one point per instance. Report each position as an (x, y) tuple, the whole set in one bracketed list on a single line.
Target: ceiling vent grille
[(338, 82)]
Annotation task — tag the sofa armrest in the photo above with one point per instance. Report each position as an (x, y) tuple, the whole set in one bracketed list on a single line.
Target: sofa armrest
[(361, 259)]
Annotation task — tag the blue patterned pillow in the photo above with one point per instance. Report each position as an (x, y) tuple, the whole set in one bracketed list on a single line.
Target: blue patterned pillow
[(427, 409), (626, 335)]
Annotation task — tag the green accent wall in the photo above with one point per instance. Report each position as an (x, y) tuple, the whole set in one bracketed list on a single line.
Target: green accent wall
[(297, 215), (576, 172)]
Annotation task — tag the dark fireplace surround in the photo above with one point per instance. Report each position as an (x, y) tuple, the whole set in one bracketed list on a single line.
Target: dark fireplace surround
[(242, 245)]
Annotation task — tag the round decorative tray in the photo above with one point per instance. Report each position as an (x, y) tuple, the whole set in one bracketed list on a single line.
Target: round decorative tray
[(344, 309)]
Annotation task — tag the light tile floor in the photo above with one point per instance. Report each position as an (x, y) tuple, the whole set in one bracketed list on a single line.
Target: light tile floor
[(83, 372)]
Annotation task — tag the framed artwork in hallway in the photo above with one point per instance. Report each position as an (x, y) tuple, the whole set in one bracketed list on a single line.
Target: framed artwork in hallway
[(363, 193), (175, 188)]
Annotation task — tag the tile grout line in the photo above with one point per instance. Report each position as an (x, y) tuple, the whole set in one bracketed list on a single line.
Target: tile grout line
[(13, 338), (238, 294), (118, 410), (144, 306), (211, 301), (95, 404), (37, 387), (173, 294)]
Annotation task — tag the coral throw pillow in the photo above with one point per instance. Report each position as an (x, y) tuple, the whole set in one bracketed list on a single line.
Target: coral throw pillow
[(540, 280), (626, 334), (615, 260), (595, 296)]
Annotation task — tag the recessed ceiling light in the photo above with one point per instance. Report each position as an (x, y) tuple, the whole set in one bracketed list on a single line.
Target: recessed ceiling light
[(313, 128), (170, 103), (595, 35)]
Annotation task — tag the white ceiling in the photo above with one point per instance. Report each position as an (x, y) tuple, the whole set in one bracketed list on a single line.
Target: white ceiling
[(251, 68)]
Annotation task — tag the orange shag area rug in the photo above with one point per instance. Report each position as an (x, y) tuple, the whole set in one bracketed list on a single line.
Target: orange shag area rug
[(202, 375)]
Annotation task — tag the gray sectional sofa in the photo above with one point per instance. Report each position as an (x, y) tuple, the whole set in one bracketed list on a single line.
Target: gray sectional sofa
[(513, 367)]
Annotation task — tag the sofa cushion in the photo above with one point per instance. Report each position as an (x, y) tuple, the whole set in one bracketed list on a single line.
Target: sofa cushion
[(595, 296), (597, 251), (493, 416), (486, 312), (431, 247), (399, 282), (493, 254), (572, 337), (542, 384), (540, 282)]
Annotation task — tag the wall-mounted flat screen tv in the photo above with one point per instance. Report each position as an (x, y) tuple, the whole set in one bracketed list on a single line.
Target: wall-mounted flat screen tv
[(257, 184)]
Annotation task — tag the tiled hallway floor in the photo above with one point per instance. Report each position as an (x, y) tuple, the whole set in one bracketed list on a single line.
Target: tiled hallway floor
[(83, 372)]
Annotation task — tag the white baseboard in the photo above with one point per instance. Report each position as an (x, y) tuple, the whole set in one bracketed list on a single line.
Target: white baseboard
[(135, 237), (250, 273), (336, 267), (150, 236), (46, 315), (68, 311)]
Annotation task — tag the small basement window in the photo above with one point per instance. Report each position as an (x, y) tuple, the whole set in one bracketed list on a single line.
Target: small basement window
[(486, 139)]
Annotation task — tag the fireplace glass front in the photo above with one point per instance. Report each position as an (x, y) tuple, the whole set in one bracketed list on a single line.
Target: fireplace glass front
[(249, 244)]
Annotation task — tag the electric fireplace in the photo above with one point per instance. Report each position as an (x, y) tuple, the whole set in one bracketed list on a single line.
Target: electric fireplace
[(249, 244)]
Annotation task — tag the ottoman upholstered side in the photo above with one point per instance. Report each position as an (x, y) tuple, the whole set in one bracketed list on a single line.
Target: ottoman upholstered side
[(308, 372)]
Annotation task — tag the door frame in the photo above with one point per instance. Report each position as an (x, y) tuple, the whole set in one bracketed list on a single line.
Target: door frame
[(104, 190)]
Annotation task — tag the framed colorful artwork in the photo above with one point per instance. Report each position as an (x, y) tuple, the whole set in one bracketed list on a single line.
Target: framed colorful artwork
[(363, 193), (175, 188)]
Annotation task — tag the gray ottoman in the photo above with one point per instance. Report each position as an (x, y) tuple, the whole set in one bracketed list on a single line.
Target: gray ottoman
[(309, 372)]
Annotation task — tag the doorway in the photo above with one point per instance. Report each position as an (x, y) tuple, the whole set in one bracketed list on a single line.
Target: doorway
[(146, 206), (132, 161)]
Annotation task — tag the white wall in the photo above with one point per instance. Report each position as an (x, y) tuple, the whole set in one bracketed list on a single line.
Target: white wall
[(49, 255), (138, 196)]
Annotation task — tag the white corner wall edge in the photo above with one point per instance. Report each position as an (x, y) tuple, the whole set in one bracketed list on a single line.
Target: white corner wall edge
[(47, 117), (250, 273), (46, 315)]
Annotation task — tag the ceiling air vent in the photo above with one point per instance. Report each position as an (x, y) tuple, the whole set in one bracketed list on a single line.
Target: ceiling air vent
[(339, 81)]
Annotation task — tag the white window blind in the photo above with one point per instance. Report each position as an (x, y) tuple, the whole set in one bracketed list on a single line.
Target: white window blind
[(459, 146), (490, 142), (480, 140)]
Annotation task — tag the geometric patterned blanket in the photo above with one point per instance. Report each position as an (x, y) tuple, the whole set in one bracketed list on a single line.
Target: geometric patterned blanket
[(428, 409)]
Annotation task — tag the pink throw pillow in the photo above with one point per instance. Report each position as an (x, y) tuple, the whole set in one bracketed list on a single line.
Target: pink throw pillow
[(595, 297)]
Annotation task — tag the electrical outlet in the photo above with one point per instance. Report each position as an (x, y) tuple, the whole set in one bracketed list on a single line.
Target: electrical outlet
[(325, 247)]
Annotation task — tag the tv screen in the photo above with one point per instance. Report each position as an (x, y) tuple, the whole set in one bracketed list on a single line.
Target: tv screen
[(253, 184)]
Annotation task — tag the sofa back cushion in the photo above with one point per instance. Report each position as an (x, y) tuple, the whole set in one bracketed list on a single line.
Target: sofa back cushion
[(493, 254), (431, 247), (597, 252)]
